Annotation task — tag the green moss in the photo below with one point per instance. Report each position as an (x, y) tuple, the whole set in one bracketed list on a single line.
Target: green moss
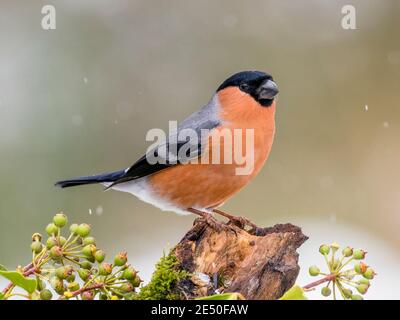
[(161, 285)]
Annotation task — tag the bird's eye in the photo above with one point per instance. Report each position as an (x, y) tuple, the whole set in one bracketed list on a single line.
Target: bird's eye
[(243, 86)]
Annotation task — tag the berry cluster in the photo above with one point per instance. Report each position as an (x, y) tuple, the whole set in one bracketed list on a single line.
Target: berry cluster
[(74, 267), (339, 278)]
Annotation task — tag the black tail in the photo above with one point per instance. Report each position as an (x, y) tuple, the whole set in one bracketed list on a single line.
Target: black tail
[(104, 177)]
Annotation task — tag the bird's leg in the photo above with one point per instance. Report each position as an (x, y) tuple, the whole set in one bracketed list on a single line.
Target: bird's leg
[(239, 221), (210, 220)]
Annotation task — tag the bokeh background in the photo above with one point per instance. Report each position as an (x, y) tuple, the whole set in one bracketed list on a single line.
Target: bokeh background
[(79, 100)]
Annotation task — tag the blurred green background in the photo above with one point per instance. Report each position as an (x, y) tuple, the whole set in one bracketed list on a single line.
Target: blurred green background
[(79, 100)]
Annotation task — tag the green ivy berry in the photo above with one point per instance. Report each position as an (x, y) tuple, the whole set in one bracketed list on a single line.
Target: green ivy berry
[(73, 286), (46, 294), (91, 259), (369, 273), (347, 293), (57, 285), (71, 278), (64, 272), (73, 228), (363, 281), (87, 295), (83, 230), (36, 247), (51, 229), (314, 271), (324, 249), (60, 220), (86, 265), (335, 247), (40, 284), (84, 274), (126, 287), (362, 288), (347, 252), (326, 291), (129, 273), (136, 281), (356, 297), (105, 269), (56, 253), (37, 237), (51, 242), (88, 240), (99, 256), (89, 250), (360, 267), (69, 270), (60, 273), (359, 254), (120, 259)]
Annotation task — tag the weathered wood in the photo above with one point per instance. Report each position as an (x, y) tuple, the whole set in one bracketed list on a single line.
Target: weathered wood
[(262, 264)]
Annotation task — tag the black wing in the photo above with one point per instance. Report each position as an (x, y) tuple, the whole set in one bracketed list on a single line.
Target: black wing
[(174, 155)]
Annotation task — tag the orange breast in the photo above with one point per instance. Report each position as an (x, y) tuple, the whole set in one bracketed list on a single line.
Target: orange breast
[(210, 185)]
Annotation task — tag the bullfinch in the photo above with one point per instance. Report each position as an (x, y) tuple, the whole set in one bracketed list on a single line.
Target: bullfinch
[(244, 103)]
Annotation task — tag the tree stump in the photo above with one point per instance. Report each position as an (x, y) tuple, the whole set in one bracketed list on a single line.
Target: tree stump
[(261, 265)]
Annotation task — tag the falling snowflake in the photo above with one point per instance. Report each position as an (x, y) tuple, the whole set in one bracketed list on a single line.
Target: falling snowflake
[(99, 210), (386, 124), (90, 211), (366, 107), (85, 80)]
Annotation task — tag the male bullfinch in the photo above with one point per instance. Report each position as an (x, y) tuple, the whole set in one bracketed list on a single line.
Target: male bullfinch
[(244, 101)]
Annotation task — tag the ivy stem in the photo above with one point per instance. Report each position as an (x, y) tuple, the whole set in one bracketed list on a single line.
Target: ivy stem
[(327, 262), (88, 288), (330, 277), (334, 290)]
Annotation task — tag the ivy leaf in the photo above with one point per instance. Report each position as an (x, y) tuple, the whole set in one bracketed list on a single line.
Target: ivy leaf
[(294, 293), (19, 280), (3, 268), (1, 296), (224, 296)]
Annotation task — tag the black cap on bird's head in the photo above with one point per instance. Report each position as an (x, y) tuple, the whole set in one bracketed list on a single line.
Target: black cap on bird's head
[(259, 85)]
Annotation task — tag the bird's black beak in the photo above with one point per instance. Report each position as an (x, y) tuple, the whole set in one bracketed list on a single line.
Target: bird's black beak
[(267, 90)]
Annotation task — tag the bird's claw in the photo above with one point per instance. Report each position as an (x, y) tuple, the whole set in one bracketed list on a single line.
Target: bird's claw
[(242, 222), (218, 226), (214, 223)]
